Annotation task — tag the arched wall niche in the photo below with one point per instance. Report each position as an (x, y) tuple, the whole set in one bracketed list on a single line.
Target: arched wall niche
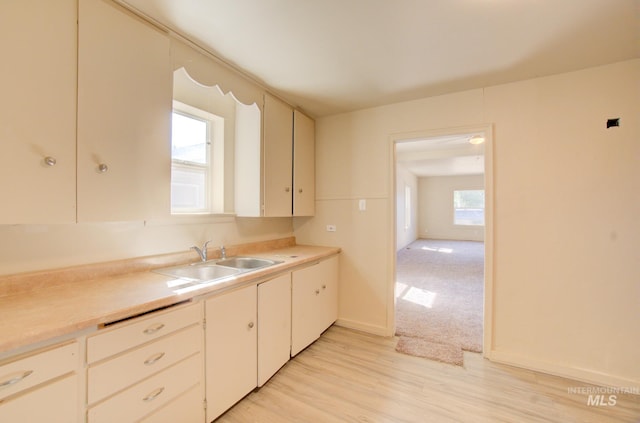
[(201, 82)]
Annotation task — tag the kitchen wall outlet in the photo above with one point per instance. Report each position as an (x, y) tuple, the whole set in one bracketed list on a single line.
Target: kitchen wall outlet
[(331, 228), (362, 205)]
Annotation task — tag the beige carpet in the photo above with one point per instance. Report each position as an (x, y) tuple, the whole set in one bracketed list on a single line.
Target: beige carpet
[(439, 291)]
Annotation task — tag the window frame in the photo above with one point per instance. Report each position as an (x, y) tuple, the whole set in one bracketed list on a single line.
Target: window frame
[(454, 208), (214, 137)]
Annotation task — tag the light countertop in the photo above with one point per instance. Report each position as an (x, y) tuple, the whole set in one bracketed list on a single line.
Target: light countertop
[(63, 303)]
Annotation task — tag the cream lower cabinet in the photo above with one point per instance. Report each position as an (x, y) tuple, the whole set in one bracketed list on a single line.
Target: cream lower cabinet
[(231, 348), (42, 386), (314, 302), (148, 369), (274, 326)]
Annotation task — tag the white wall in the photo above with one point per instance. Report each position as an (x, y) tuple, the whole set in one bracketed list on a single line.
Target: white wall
[(566, 210), (406, 229), (435, 207)]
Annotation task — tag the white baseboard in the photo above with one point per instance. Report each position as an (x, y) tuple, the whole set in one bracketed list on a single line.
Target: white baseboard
[(363, 327), (575, 373)]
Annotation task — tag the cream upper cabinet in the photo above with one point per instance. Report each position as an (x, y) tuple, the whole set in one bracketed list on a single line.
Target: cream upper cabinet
[(124, 115), (38, 107), (275, 177), (304, 178), (314, 302), (274, 326), (231, 348), (278, 157)]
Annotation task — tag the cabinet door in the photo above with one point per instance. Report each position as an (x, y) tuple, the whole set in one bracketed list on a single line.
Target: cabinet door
[(304, 193), (305, 308), (314, 302), (124, 116), (278, 157), (38, 86), (328, 270), (274, 326), (231, 349)]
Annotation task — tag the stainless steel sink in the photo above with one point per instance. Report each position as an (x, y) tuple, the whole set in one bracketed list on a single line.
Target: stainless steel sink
[(213, 271), (246, 263), (200, 272)]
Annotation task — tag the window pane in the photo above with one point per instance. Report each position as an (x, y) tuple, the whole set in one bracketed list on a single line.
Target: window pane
[(188, 189), (468, 206), (189, 139)]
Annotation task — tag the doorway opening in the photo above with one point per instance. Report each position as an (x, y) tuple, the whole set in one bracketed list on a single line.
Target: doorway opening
[(443, 243)]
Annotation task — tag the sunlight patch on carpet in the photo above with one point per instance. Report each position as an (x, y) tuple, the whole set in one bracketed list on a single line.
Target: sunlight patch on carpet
[(419, 296), (439, 250)]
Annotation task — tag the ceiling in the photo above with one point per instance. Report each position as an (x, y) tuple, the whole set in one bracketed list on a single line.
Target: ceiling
[(332, 56), (441, 156)]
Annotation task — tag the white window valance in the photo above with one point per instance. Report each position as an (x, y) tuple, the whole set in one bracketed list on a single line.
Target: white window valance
[(209, 71)]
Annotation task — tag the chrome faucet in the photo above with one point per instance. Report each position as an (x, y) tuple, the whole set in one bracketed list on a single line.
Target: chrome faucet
[(202, 252), (223, 252)]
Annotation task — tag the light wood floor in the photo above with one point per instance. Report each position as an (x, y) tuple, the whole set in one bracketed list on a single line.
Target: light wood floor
[(348, 376)]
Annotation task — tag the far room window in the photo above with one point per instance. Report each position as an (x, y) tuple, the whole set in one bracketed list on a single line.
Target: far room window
[(468, 207), (191, 139), (407, 207)]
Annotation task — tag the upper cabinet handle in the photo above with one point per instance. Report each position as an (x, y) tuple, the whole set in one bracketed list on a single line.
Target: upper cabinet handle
[(50, 161), (102, 168), (287, 189), (15, 379)]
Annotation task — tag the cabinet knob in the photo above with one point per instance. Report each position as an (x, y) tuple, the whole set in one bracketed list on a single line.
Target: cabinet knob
[(50, 161), (287, 189), (102, 168), (317, 291), (250, 325), (324, 286), (300, 191)]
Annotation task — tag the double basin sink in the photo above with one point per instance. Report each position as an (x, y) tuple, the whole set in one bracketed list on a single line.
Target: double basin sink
[(215, 270)]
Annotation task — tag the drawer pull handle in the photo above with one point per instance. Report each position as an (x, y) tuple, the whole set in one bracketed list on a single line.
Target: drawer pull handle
[(250, 325), (317, 291), (324, 286), (15, 379), (153, 359), (153, 395), (153, 328)]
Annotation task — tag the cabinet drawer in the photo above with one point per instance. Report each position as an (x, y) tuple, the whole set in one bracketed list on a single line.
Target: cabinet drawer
[(124, 370), (56, 402), (187, 408), (149, 395), (30, 371), (140, 331)]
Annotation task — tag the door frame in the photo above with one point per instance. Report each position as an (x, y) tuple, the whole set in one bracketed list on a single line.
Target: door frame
[(487, 131)]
